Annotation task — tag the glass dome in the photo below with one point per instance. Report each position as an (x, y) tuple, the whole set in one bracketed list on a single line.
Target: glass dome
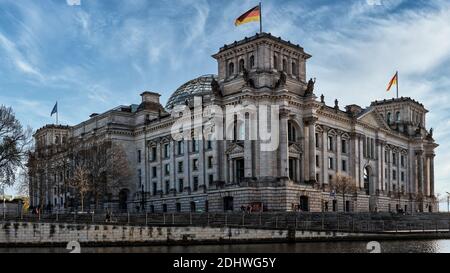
[(200, 86)]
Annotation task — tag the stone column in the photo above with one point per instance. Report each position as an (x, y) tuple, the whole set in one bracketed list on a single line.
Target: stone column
[(312, 149), (187, 166), (284, 149), (338, 153), (380, 161), (361, 163), (202, 165), (173, 168), (248, 149), (325, 155), (432, 175), (160, 166), (420, 175)]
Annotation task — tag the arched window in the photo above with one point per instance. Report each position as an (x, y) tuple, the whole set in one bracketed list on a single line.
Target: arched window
[(275, 62), (231, 69), (397, 116), (252, 61), (284, 65), (241, 65), (294, 68), (389, 118)]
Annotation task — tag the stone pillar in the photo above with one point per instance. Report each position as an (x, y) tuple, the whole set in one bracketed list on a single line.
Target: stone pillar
[(325, 155), (361, 163), (284, 149), (432, 175), (312, 149), (420, 172), (306, 158), (187, 166), (338, 153), (202, 165), (160, 167), (173, 168), (380, 172)]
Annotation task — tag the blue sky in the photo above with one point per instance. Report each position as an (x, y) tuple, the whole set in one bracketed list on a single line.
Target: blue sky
[(103, 53)]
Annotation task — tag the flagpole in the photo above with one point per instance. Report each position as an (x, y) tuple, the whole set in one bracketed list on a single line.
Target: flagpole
[(260, 18), (397, 84)]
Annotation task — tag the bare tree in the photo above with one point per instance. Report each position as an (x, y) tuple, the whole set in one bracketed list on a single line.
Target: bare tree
[(106, 163), (80, 182), (343, 184), (14, 144)]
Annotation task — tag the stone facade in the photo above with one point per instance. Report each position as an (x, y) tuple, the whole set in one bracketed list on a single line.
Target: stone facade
[(385, 148)]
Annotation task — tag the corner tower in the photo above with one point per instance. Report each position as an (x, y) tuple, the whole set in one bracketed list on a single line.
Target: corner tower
[(262, 61)]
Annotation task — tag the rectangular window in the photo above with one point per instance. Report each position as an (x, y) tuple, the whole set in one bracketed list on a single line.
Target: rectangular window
[(139, 154), (402, 161), (402, 175), (154, 172), (153, 154), (140, 177), (317, 140), (166, 150), (195, 183), (344, 165), (330, 143), (394, 159), (180, 146), (317, 161), (317, 177), (195, 165), (180, 167), (155, 188), (167, 169), (211, 179), (344, 146), (209, 145), (167, 187), (210, 162), (386, 157), (372, 148), (330, 163), (394, 174), (195, 146), (180, 185), (385, 173)]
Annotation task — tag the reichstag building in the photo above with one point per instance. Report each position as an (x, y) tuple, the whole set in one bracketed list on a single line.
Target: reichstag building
[(385, 149)]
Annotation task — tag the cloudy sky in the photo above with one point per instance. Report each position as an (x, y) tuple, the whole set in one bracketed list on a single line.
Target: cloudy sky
[(103, 53)]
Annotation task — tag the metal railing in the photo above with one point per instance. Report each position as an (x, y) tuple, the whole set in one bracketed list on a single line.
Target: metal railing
[(329, 222)]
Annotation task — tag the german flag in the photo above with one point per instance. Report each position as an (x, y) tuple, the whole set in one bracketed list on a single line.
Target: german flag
[(253, 15), (394, 81)]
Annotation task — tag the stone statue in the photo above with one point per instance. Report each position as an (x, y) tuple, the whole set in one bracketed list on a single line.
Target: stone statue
[(215, 86), (336, 104), (431, 132), (310, 87), (247, 79), (322, 98), (282, 80)]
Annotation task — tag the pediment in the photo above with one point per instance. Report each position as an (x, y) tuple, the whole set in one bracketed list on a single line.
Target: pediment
[(295, 149), (373, 119), (234, 149)]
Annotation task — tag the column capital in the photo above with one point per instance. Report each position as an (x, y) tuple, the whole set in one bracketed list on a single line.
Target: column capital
[(284, 113), (310, 120)]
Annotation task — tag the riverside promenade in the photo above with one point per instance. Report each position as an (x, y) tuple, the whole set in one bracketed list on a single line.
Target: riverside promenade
[(216, 228)]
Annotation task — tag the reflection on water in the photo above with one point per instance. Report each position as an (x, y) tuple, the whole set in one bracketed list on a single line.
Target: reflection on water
[(437, 246)]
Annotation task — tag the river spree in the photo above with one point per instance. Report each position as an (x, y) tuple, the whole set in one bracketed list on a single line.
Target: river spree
[(429, 246)]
